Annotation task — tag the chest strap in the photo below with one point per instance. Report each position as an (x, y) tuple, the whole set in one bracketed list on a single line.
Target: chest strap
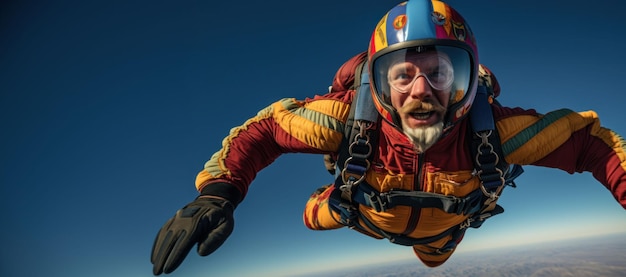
[(381, 201)]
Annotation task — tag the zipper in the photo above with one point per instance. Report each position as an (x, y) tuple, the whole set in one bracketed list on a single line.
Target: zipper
[(417, 186)]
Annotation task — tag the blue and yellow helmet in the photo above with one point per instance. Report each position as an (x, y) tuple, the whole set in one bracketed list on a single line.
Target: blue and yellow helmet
[(424, 25)]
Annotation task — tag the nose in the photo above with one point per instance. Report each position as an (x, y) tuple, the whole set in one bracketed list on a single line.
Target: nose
[(421, 88)]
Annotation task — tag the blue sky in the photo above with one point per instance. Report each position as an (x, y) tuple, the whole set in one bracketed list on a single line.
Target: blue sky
[(108, 109)]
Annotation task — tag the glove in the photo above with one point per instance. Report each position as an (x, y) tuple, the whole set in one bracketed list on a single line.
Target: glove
[(207, 221)]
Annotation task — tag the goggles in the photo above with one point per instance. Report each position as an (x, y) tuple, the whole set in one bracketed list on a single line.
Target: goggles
[(446, 68), (434, 67)]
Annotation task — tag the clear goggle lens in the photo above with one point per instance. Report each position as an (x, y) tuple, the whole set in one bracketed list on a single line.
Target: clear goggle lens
[(437, 70)]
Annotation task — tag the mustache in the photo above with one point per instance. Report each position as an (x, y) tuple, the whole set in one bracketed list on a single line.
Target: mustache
[(421, 106)]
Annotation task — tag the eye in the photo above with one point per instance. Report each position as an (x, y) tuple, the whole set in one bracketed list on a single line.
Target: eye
[(403, 76), (437, 76)]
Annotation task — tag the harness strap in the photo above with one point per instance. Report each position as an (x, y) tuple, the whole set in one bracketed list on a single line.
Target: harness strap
[(409, 241), (365, 109), (363, 116), (493, 171), (366, 195), (353, 219)]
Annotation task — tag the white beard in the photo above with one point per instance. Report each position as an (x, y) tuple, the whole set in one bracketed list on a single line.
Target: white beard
[(423, 137)]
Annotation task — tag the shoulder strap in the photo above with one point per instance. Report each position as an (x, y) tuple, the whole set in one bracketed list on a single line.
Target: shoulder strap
[(486, 149), (360, 139), (362, 109), (365, 109)]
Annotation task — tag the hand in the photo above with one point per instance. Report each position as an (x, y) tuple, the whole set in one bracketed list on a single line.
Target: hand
[(207, 221)]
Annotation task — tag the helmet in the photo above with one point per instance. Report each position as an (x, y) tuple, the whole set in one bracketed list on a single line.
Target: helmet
[(418, 26)]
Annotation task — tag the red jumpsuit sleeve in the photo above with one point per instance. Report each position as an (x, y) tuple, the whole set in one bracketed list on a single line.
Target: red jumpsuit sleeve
[(600, 152), (287, 126), (573, 142)]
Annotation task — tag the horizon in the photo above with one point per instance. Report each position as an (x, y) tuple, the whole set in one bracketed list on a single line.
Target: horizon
[(594, 242)]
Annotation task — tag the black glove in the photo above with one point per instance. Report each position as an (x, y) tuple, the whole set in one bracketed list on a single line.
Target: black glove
[(207, 221)]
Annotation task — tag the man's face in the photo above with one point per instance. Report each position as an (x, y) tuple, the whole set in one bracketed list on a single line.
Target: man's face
[(420, 91)]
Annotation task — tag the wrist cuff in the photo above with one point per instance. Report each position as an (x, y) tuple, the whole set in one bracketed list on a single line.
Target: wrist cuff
[(224, 190)]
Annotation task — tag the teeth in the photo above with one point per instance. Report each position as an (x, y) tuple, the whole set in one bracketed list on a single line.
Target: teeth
[(425, 115)]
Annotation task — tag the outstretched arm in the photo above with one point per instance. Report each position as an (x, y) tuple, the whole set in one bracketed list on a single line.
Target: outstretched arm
[(574, 142), (310, 126)]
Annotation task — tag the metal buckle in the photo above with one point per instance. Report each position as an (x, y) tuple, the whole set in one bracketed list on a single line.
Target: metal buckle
[(466, 224), (376, 201), (460, 206)]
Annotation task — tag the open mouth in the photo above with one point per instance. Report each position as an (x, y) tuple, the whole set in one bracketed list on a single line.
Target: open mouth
[(422, 115)]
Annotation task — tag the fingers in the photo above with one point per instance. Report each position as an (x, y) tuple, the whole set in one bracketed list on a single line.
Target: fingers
[(160, 251), (161, 247), (202, 221), (171, 246), (169, 254), (179, 251)]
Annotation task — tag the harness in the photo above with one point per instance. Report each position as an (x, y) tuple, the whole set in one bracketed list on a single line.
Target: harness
[(354, 158)]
